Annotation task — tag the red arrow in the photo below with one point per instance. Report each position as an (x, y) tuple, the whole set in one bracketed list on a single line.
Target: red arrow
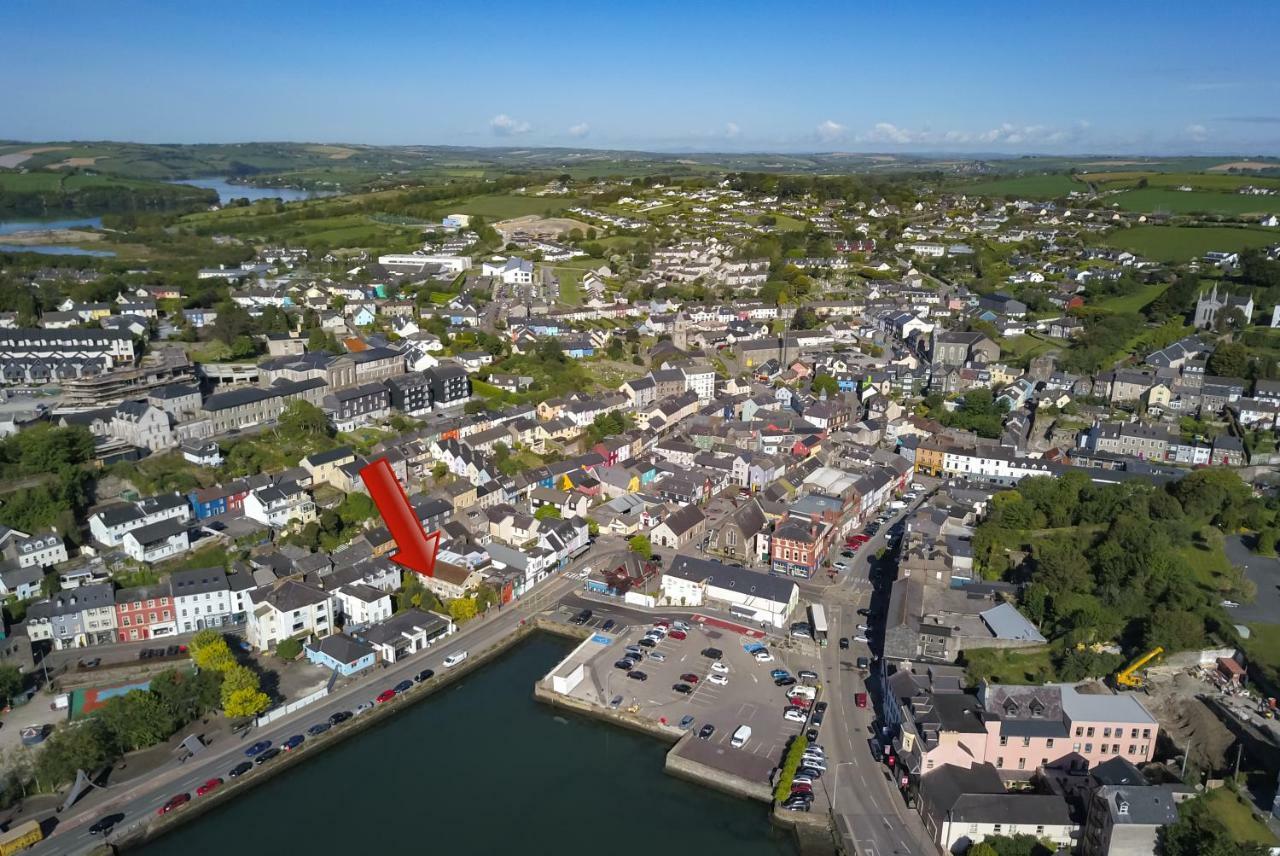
[(416, 549)]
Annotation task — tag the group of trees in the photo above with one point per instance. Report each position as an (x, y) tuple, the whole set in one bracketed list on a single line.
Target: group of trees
[(979, 412), (48, 462), (1199, 832), (1121, 563), (336, 526), (240, 692), (126, 723), (1011, 845)]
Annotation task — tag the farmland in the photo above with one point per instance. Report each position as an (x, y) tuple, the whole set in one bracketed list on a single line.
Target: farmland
[(1129, 304), (1183, 243), (1029, 186), (509, 206), (1153, 199)]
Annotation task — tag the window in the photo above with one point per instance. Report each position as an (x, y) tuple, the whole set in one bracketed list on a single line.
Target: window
[(1075, 747), (137, 604), (1115, 748), (1146, 733), (151, 601), (1044, 762), (929, 766), (1133, 750), (1022, 765), (1079, 731), (1040, 831), (1048, 744), (1004, 741), (1026, 741), (1106, 732), (126, 621), (1000, 762), (153, 618), (1089, 732), (1103, 748), (1088, 748), (996, 829), (1133, 732), (973, 828)]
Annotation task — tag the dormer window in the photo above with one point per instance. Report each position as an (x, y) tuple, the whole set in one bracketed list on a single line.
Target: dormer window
[(1010, 707), (1037, 708)]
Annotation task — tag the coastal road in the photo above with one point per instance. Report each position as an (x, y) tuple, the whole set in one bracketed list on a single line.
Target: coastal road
[(139, 801)]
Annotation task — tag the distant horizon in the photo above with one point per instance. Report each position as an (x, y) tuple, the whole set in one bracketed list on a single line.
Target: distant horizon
[(659, 76), (936, 154)]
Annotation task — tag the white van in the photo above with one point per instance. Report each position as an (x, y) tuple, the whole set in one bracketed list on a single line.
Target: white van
[(740, 737), (802, 690), (454, 659)]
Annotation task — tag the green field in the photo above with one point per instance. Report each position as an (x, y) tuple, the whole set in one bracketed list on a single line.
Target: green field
[(1029, 186), (1130, 303), (1235, 814), (1183, 243), (1209, 181), (570, 285), (1021, 349), (504, 207), (1154, 199)]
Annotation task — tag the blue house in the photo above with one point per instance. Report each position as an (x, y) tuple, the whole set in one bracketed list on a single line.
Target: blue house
[(207, 502), (344, 653), (362, 317)]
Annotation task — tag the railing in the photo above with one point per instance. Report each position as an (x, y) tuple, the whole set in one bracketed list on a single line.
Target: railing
[(284, 710)]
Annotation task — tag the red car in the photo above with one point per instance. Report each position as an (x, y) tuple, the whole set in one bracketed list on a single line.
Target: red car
[(176, 801), (208, 787), (860, 699), (800, 702), (802, 788), (689, 678), (663, 623), (678, 634), (860, 538), (385, 696)]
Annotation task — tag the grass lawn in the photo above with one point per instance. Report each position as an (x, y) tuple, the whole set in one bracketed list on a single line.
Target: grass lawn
[(1130, 303), (1029, 186), (1263, 648), (1208, 561), (570, 282), (1008, 666), (786, 224), (1023, 348), (504, 207), (1152, 199), (1182, 243), (1238, 818)]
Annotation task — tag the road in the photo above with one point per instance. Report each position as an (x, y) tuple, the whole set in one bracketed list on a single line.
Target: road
[(140, 801), (1265, 573), (869, 813)]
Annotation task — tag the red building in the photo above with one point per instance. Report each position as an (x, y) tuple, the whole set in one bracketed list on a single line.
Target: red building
[(145, 612)]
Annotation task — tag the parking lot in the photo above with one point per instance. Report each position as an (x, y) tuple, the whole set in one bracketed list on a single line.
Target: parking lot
[(749, 696)]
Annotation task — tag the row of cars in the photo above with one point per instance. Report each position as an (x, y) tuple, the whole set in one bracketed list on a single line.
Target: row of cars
[(813, 763), (635, 654), (263, 752)]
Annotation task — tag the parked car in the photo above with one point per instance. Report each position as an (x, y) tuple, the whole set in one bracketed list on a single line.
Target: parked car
[(318, 729), (649, 642), (363, 707), (679, 635), (793, 714), (684, 689), (788, 681), (861, 638), (763, 656), (240, 769), (720, 667), (208, 787), (841, 565), (686, 721), (609, 625), (624, 665), (689, 678), (403, 686), (658, 657), (581, 618), (637, 675), (713, 653), (860, 699), (615, 702), (778, 673), (292, 743), (385, 696), (807, 675), (175, 801), (706, 731), (266, 756), (718, 680), (864, 663), (864, 628), (339, 717), (425, 675), (257, 748), (680, 625)]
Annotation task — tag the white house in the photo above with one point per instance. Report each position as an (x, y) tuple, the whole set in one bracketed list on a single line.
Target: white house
[(156, 542), (749, 595), (201, 598), (407, 633), (280, 505), (361, 605), (288, 610), (109, 526)]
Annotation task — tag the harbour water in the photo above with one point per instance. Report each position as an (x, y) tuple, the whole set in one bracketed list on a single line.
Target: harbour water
[(481, 768), (11, 227), (228, 191)]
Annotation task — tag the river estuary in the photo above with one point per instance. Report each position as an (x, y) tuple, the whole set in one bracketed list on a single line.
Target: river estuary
[(481, 768)]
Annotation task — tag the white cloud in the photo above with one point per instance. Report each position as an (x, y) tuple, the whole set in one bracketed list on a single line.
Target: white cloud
[(830, 131), (731, 130), (505, 126), (884, 132), (579, 130), (1005, 134), (1197, 133)]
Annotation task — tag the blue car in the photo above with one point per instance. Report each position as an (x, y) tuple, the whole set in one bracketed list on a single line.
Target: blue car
[(257, 748), (403, 686), (293, 742)]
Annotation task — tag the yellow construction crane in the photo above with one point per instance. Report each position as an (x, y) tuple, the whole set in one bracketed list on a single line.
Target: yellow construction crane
[(1128, 677)]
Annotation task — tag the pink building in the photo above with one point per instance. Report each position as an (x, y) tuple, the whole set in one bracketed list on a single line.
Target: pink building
[(1017, 729)]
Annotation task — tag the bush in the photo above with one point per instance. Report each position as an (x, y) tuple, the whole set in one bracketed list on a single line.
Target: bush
[(790, 764), (289, 649)]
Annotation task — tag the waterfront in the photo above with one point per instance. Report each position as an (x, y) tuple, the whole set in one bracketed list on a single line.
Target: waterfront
[(228, 190), (13, 227), (54, 250), (482, 768)]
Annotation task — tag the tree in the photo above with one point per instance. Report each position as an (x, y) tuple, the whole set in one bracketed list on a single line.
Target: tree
[(84, 746), (462, 608), (547, 512), (1198, 832), (824, 383), (439, 470), (241, 695), (640, 544), (302, 421), (136, 720), (11, 682), (1229, 359)]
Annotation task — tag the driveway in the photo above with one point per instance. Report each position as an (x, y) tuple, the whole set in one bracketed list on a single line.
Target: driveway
[(1265, 573)]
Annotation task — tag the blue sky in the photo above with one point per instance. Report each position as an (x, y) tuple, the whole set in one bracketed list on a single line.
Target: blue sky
[(1081, 77)]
